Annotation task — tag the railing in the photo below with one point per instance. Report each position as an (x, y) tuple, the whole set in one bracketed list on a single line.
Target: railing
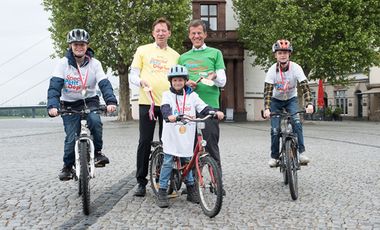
[(23, 111)]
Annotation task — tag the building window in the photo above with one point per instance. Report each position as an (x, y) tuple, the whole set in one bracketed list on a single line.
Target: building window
[(341, 100), (209, 16)]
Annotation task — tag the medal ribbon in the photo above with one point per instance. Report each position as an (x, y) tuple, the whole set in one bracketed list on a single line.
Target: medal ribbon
[(81, 77), (285, 85), (184, 102)]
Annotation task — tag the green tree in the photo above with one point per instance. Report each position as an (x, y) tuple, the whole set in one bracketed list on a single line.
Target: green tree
[(331, 39), (117, 28)]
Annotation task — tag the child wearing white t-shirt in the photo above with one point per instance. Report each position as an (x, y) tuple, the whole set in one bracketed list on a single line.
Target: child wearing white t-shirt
[(178, 140)]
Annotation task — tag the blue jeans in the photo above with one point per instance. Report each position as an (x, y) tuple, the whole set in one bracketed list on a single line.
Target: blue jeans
[(71, 124), (291, 106), (166, 170)]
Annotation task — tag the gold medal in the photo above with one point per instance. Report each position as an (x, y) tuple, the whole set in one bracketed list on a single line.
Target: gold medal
[(182, 129)]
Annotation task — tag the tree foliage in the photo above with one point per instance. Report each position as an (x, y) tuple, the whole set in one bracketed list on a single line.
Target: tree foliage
[(117, 28), (331, 39)]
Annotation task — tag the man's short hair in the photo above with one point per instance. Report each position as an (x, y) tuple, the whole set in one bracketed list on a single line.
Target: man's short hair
[(162, 20), (196, 23)]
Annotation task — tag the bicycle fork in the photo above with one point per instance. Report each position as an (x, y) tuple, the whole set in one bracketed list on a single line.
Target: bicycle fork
[(91, 155)]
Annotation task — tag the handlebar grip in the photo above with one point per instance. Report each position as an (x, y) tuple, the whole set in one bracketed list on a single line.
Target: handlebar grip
[(179, 117)]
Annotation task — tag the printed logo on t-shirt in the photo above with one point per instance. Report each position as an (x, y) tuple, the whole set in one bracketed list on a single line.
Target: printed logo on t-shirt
[(72, 83), (159, 64), (187, 109), (196, 66)]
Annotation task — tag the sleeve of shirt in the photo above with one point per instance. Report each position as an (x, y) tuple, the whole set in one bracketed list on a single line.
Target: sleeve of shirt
[(137, 60), (219, 62), (270, 76), (100, 75), (59, 70), (134, 77), (221, 79), (299, 73), (198, 102)]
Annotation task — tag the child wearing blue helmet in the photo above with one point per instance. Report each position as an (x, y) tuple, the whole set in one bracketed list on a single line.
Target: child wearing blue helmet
[(179, 140)]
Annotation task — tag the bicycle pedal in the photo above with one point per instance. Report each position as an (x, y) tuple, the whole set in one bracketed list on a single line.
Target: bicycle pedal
[(304, 164), (100, 165)]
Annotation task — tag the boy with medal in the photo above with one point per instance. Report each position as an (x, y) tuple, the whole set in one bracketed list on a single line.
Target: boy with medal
[(178, 140), (73, 83)]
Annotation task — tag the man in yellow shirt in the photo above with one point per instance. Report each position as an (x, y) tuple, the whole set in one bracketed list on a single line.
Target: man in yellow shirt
[(149, 69)]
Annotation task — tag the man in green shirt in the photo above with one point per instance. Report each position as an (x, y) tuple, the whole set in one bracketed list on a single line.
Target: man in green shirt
[(207, 75)]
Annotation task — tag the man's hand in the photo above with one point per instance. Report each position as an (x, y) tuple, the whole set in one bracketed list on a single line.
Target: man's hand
[(53, 112), (267, 113), (220, 115), (191, 84), (111, 108), (309, 109), (144, 83), (172, 118), (211, 76)]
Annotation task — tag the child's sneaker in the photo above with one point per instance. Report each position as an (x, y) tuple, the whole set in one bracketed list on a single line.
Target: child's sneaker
[(162, 199), (192, 194)]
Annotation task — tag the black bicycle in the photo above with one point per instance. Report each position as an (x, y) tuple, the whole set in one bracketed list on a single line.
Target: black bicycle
[(289, 156), (84, 154)]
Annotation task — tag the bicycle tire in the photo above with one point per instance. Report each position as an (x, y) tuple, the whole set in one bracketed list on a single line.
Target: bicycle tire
[(79, 186), (212, 182), (155, 164), (291, 169), (175, 181), (283, 161), (84, 176)]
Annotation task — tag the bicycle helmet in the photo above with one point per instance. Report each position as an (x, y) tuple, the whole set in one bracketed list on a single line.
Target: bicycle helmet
[(178, 71), (78, 35), (282, 45)]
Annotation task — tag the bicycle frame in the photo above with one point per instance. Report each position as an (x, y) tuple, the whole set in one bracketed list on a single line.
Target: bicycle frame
[(199, 150)]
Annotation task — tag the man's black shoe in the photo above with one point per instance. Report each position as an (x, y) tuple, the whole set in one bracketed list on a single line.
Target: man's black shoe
[(66, 173), (140, 191), (101, 160)]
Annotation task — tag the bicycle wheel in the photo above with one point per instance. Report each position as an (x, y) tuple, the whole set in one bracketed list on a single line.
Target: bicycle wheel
[(210, 186), (291, 168), (155, 164), (84, 176), (79, 186), (283, 161)]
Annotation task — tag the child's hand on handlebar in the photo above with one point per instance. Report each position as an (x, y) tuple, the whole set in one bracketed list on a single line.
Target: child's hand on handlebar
[(172, 118), (53, 112), (266, 113), (111, 108), (309, 108), (219, 115)]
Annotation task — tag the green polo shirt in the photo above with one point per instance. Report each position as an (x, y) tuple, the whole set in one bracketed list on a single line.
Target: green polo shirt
[(199, 63)]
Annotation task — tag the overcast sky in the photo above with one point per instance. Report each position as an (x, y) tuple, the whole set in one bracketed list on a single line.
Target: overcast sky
[(25, 48)]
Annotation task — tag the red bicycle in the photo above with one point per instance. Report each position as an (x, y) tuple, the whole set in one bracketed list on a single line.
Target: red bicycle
[(206, 171)]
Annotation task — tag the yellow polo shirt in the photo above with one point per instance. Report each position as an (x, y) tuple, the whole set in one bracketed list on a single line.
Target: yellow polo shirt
[(154, 64)]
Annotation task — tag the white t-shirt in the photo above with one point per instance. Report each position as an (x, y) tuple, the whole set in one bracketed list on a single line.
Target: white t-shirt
[(285, 84), (174, 142), (73, 85)]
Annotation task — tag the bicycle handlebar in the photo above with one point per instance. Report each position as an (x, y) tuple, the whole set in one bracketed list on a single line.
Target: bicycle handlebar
[(186, 118), (282, 114), (70, 111)]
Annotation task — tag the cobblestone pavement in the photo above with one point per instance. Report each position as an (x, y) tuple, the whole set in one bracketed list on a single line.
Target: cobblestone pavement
[(340, 189)]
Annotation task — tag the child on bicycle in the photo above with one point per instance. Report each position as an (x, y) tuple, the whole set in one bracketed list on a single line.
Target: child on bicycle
[(280, 92), (178, 139)]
